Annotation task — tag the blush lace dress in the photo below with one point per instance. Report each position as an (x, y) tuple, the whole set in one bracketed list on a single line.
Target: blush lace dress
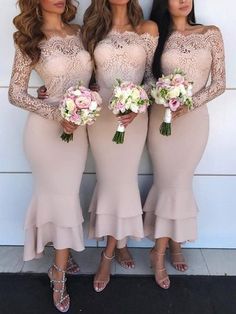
[(54, 214), (170, 208), (116, 208)]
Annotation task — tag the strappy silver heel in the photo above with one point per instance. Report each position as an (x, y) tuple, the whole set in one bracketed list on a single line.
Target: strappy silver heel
[(102, 283), (63, 295), (72, 267)]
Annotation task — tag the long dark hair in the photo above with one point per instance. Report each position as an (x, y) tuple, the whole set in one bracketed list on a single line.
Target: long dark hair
[(98, 21), (160, 14)]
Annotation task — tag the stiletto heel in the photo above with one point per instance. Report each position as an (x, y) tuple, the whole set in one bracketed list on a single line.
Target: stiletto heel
[(100, 285), (63, 296), (164, 283)]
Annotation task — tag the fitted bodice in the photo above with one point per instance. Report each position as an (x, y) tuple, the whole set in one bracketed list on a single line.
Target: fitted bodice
[(63, 63), (199, 55), (126, 56)]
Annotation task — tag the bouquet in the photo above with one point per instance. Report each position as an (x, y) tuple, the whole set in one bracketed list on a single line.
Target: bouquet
[(80, 106), (172, 91), (126, 98)]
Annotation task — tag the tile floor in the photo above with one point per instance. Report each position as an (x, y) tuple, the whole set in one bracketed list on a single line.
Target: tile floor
[(201, 261)]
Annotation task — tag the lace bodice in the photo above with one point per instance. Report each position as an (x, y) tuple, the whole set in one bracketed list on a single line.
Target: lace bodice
[(199, 55), (127, 56), (63, 63)]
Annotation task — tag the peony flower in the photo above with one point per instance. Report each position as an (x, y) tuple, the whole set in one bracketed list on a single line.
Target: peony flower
[(178, 79)]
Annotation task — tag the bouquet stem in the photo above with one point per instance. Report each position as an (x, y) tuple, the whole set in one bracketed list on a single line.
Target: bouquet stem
[(67, 137), (119, 136), (165, 128)]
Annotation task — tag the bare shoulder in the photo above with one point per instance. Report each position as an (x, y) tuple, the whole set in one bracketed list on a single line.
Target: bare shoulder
[(150, 27)]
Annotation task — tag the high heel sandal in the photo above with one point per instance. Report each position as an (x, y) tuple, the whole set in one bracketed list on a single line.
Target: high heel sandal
[(72, 267), (175, 264), (63, 295), (164, 283), (102, 283)]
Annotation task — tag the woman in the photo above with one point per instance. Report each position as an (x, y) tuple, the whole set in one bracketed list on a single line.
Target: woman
[(122, 45), (170, 208), (46, 43)]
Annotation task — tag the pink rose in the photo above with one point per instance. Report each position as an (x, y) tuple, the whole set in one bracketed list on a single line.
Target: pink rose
[(178, 79), (120, 106), (75, 118), (82, 103)]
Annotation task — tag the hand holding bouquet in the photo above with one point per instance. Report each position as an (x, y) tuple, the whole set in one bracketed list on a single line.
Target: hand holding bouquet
[(126, 98), (172, 92), (80, 106)]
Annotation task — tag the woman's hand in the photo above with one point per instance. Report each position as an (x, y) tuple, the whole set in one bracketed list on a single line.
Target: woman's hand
[(68, 127), (42, 92), (127, 119), (182, 110)]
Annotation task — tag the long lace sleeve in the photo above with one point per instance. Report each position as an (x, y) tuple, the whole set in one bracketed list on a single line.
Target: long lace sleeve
[(18, 91), (150, 45), (218, 80)]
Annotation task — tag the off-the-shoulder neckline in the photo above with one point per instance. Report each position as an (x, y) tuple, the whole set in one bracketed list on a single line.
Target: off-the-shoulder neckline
[(114, 31), (202, 33), (67, 36)]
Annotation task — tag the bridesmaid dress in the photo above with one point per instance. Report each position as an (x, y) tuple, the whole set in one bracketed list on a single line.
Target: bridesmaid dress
[(170, 208), (54, 214), (116, 206)]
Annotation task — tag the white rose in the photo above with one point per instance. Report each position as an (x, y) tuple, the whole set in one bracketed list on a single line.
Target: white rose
[(118, 92), (183, 90), (134, 107), (76, 92), (128, 104), (174, 93), (70, 105), (85, 113), (93, 105), (136, 94)]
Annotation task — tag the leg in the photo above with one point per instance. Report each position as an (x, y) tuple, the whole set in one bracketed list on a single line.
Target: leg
[(57, 278), (157, 256), (102, 276), (123, 255), (177, 258)]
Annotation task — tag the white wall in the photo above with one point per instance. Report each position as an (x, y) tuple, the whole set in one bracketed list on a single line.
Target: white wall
[(215, 180)]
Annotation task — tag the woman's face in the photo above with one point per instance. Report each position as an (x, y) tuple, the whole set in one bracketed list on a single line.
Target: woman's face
[(119, 2), (180, 8), (53, 6)]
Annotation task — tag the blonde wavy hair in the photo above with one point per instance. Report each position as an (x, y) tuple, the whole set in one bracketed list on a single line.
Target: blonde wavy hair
[(29, 24), (98, 21)]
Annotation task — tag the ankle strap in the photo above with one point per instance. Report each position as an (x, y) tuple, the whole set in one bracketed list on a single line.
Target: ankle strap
[(58, 268), (107, 257)]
